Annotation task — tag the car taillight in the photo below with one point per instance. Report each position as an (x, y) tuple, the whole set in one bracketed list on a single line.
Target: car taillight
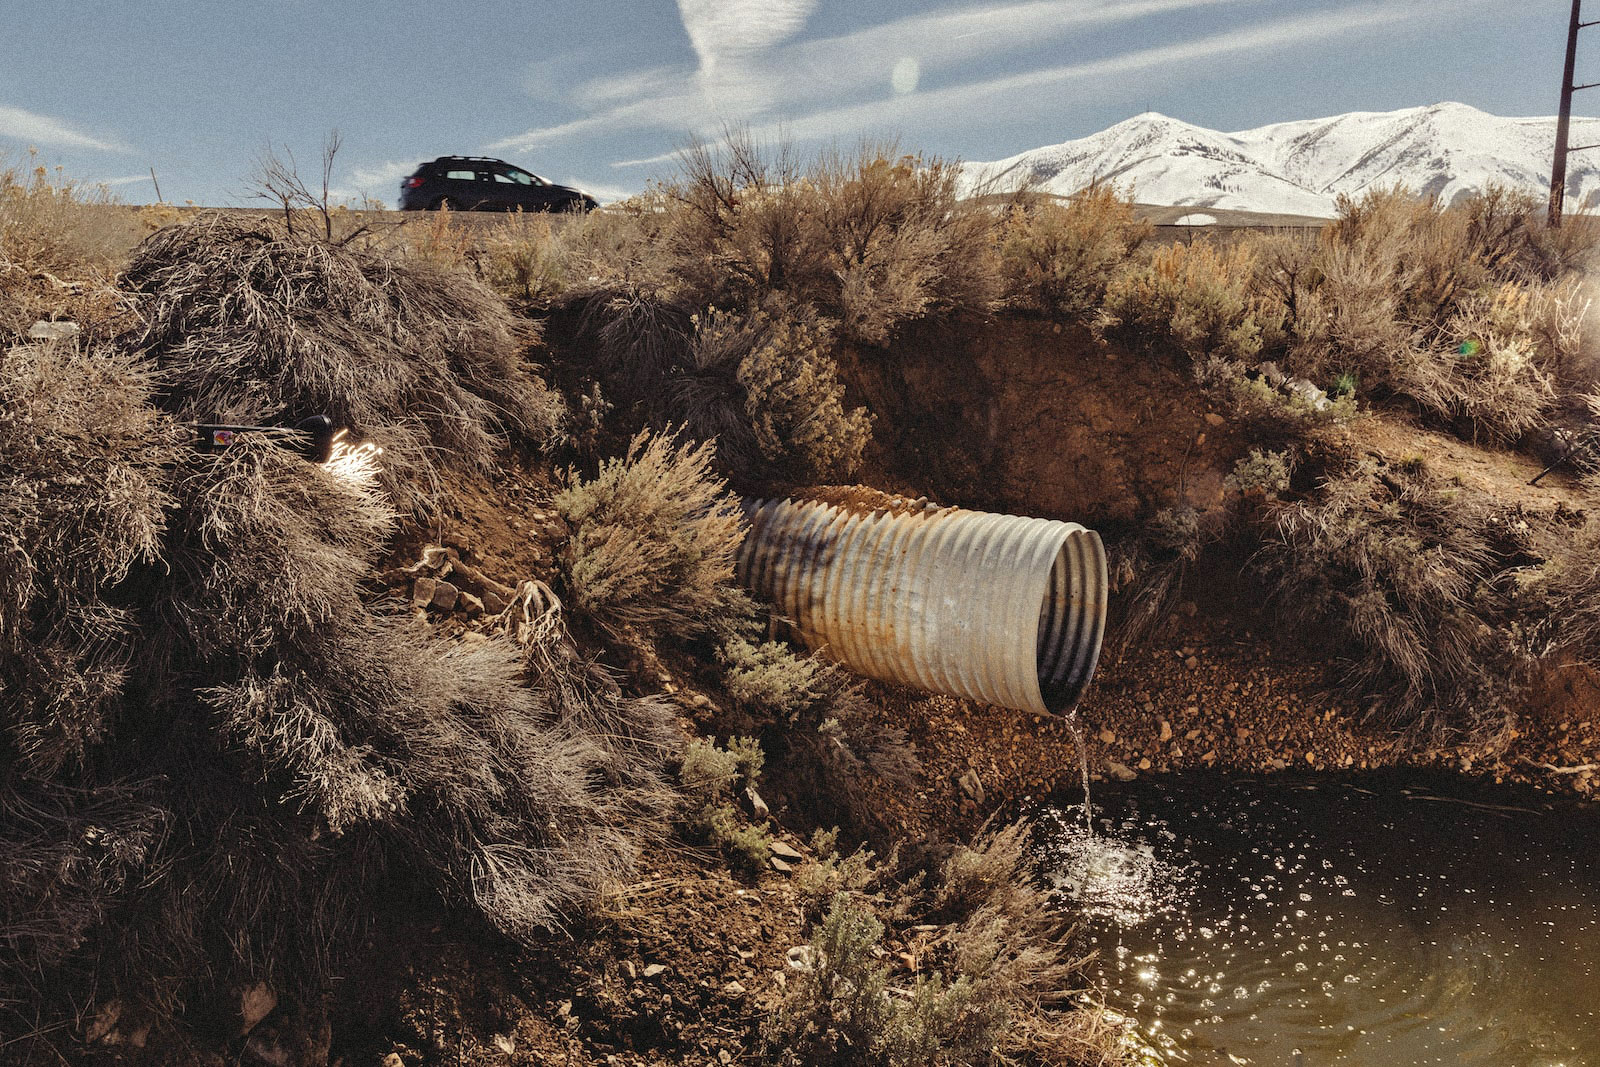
[(413, 181)]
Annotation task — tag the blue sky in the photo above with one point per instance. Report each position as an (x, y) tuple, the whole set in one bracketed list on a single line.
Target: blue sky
[(602, 93)]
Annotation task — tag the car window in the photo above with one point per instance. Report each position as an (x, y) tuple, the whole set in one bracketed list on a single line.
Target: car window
[(462, 175), (522, 177), (503, 178)]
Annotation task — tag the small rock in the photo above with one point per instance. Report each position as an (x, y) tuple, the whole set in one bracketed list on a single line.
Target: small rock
[(255, 1003), (801, 958), (1121, 771), (445, 595), (1108, 737), (1311, 757), (758, 807), (723, 1055), (52, 331), (493, 603), (505, 1044), (1276, 764), (1241, 733), (1191, 735), (1213, 419), (1192, 662), (781, 866), (1189, 608), (651, 970), (1144, 764), (734, 988), (787, 852), (422, 591), (471, 605), (1209, 757), (103, 1022), (1166, 731), (701, 701)]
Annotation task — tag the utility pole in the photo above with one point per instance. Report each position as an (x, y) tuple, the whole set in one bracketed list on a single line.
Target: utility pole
[(1558, 171)]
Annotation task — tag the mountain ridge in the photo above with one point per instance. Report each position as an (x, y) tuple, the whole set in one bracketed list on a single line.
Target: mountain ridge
[(1302, 166)]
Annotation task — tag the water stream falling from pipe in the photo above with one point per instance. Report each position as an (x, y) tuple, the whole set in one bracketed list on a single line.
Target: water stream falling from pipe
[(1076, 728)]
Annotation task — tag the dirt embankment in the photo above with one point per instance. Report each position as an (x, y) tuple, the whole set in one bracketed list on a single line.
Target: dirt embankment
[(1033, 418)]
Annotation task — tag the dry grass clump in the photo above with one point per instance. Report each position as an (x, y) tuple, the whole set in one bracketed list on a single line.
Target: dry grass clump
[(1398, 570), (84, 490), (1058, 258), (990, 985), (247, 758), (828, 752), (59, 244), (250, 325), (653, 539), (1198, 298)]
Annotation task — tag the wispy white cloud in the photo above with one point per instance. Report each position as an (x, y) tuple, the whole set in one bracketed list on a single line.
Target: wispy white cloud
[(744, 74), (117, 183), (721, 30), (1261, 38), (17, 124)]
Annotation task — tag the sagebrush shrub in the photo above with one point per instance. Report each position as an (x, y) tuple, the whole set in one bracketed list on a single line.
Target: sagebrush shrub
[(653, 539), (833, 755), (1058, 258), (991, 986), (1197, 298)]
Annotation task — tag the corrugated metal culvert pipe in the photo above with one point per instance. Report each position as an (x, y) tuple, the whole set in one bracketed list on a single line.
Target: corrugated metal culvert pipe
[(998, 608)]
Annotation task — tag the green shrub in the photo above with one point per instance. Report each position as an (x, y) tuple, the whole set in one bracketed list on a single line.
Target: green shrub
[(833, 755), (1260, 474), (1058, 258), (653, 539), (711, 777), (992, 985), (764, 385)]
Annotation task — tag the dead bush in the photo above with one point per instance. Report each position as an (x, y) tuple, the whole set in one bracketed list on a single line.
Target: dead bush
[(1398, 570), (249, 325), (1059, 257), (84, 490), (653, 539), (288, 758), (1197, 298)]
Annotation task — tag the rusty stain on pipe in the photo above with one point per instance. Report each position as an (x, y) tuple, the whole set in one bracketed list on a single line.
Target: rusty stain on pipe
[(998, 608)]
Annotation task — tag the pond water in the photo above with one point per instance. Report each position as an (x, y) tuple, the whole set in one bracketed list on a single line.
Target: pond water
[(1382, 921)]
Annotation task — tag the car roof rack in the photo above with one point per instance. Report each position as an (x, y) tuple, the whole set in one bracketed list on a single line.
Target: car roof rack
[(469, 159)]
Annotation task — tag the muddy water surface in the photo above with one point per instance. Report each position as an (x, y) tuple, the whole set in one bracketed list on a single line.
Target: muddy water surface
[(1385, 921)]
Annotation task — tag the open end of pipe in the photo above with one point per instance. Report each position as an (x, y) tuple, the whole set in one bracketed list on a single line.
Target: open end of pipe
[(1072, 621)]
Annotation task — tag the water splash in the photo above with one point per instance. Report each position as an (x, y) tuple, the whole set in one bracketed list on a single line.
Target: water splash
[(1105, 877)]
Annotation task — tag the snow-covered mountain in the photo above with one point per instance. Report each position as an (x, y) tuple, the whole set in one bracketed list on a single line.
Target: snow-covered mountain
[(1299, 167)]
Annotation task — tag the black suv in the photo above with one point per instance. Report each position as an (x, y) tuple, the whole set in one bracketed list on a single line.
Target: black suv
[(477, 183)]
